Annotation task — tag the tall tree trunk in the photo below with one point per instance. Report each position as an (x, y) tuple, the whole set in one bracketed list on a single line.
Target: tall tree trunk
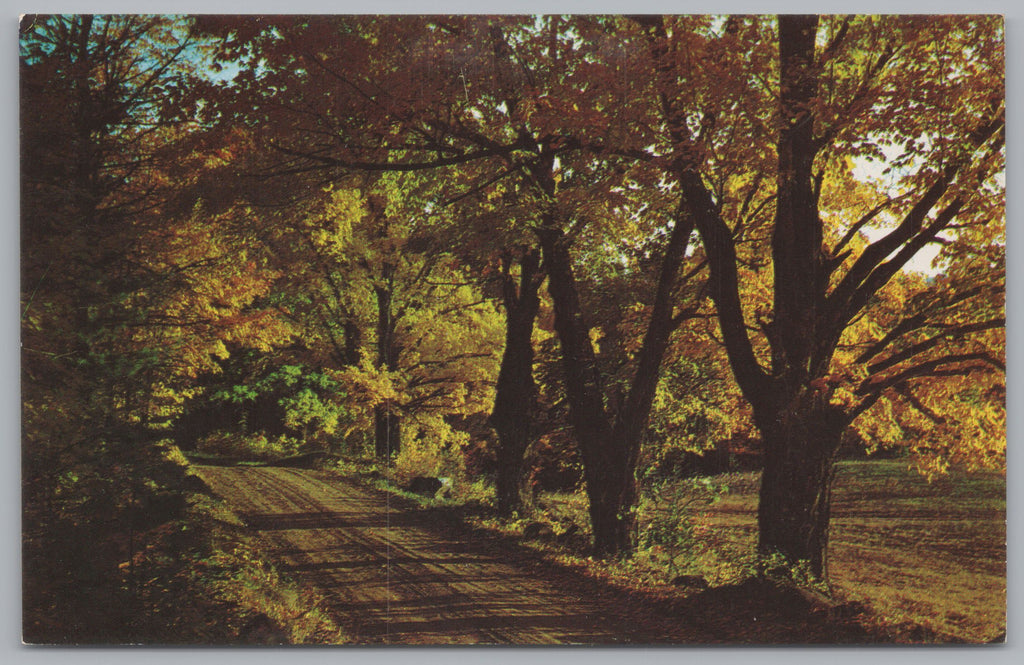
[(801, 447), (516, 392), (387, 419), (801, 436), (607, 482), (387, 431), (610, 445)]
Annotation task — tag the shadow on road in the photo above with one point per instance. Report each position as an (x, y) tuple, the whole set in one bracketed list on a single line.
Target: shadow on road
[(397, 572)]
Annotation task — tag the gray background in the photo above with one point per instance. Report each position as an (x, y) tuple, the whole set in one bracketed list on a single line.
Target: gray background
[(11, 649)]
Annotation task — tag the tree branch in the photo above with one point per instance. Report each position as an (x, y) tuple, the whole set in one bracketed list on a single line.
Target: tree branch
[(853, 284), (723, 285), (921, 319), (936, 367), (873, 387), (921, 347), (904, 391)]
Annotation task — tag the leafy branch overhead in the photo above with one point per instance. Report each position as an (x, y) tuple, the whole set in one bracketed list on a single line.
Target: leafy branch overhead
[(524, 252)]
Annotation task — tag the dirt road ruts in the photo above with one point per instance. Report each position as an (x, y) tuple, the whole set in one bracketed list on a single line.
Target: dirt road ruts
[(391, 579)]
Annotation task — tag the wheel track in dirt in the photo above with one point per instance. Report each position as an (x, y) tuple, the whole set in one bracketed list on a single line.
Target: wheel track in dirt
[(397, 575), (389, 578)]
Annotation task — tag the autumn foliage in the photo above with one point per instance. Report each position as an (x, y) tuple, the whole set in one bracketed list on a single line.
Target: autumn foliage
[(500, 249)]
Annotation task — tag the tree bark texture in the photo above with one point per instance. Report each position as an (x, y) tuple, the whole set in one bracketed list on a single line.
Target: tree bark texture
[(800, 447)]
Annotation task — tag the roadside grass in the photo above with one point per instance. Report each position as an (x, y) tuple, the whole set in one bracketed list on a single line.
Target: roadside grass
[(259, 605), (193, 577), (254, 603), (463, 494), (208, 583), (926, 559)]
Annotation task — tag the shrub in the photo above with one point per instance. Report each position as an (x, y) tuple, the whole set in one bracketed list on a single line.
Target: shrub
[(257, 446), (676, 528), (436, 454)]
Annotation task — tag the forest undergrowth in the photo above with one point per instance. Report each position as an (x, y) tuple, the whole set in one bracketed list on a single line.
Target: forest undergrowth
[(198, 578)]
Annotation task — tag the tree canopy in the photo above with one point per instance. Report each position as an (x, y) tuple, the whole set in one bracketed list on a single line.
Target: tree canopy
[(456, 241)]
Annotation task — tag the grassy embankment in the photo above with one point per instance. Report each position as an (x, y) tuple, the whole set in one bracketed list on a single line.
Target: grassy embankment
[(257, 605), (197, 578)]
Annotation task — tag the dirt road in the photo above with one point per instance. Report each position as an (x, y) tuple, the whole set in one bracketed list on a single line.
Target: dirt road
[(389, 578)]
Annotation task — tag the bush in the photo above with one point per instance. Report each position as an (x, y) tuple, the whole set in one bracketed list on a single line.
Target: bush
[(430, 447), (676, 525), (103, 541), (256, 447)]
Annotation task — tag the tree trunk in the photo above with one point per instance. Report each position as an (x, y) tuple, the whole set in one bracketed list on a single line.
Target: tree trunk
[(608, 475), (611, 489), (353, 343), (512, 492), (802, 431), (387, 432), (387, 421), (800, 448), (516, 392), (610, 443)]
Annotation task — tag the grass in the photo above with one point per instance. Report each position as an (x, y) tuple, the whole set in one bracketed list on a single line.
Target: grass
[(928, 553), (258, 604), (915, 552), (928, 559)]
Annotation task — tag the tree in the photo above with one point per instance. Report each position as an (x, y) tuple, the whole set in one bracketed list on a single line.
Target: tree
[(381, 305), (126, 296), (932, 90), (515, 398), (501, 93), (623, 157), (746, 133)]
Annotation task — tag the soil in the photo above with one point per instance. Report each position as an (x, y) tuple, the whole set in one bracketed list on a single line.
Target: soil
[(393, 573)]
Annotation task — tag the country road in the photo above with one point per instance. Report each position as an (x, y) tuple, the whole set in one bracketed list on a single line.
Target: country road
[(390, 578)]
